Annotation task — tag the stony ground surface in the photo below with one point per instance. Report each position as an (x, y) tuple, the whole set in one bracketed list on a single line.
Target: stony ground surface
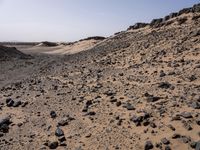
[(137, 90)]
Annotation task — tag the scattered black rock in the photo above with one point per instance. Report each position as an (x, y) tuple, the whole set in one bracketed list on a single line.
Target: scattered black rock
[(186, 125), (197, 145), (176, 136), (195, 105), (198, 121), (118, 103), (138, 120), (59, 132), (148, 145), (153, 98), (4, 123), (129, 106), (53, 145), (193, 144), (65, 120), (17, 103), (91, 113), (164, 85), (186, 115), (171, 127), (165, 141), (162, 73), (24, 104), (53, 114), (62, 139), (185, 139), (167, 147), (192, 78), (9, 102)]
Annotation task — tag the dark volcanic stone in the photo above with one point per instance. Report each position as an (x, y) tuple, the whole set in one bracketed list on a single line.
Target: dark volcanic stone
[(4, 120), (185, 139), (88, 103), (176, 136), (4, 123), (186, 115), (63, 122), (153, 125), (17, 103), (24, 104), (192, 78), (176, 117), (165, 141), (85, 109), (152, 99), (148, 145), (9, 102), (62, 139), (198, 121), (195, 105), (59, 132), (193, 144), (167, 147), (197, 145), (137, 120), (53, 114), (128, 106), (92, 113), (164, 85), (187, 126), (171, 127), (53, 145), (118, 103), (4, 128), (162, 74)]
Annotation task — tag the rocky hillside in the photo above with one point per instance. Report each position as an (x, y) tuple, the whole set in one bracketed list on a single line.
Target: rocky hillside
[(7, 53), (136, 90)]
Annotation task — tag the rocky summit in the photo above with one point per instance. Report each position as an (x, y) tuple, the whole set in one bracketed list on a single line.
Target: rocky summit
[(138, 89)]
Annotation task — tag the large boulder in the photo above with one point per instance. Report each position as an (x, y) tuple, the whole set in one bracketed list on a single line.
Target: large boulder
[(185, 11), (196, 8), (156, 22), (138, 25), (172, 15)]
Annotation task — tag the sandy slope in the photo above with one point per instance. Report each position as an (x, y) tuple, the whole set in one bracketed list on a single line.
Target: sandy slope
[(61, 49), (138, 86)]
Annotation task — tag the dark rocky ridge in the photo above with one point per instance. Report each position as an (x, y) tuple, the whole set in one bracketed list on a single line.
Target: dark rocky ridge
[(161, 21), (7, 53)]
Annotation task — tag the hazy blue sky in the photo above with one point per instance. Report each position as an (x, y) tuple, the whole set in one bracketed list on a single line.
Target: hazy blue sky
[(68, 20)]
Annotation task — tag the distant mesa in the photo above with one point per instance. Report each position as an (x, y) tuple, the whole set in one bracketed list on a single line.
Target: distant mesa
[(48, 44), (93, 38), (7, 53)]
